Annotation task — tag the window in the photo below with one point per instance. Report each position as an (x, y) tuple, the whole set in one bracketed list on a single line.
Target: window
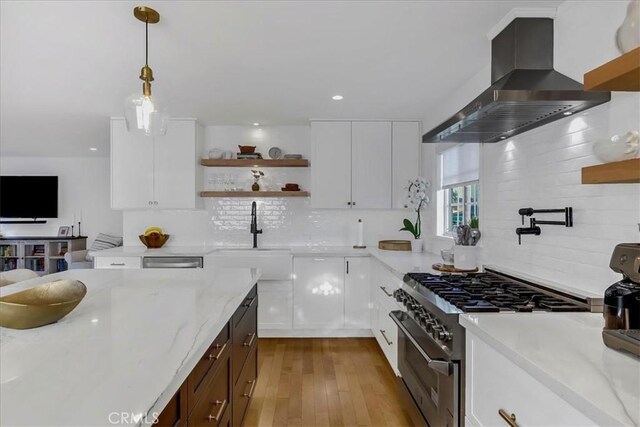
[(459, 187), (461, 203)]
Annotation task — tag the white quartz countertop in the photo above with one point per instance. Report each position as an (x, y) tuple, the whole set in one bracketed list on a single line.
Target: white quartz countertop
[(126, 348), (565, 352)]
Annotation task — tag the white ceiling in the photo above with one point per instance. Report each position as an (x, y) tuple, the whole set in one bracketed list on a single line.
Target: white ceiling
[(67, 66)]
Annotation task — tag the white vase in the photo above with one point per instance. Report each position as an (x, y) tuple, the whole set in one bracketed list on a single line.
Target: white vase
[(416, 245), (628, 35)]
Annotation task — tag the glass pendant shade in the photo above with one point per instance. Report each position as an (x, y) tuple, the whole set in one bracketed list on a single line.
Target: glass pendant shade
[(145, 114)]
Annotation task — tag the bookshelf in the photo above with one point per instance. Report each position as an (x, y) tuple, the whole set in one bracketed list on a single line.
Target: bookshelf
[(42, 254)]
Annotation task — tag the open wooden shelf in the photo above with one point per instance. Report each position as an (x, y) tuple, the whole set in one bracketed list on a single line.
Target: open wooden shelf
[(622, 172), (254, 194), (265, 163), (620, 74)]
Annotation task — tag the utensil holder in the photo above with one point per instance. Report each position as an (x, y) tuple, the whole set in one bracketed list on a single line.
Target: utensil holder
[(465, 257)]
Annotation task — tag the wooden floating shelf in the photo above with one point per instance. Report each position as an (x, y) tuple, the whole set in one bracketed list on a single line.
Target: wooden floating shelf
[(265, 163), (622, 172), (254, 194), (621, 74)]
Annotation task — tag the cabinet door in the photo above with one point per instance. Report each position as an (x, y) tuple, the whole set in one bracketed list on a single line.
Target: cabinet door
[(276, 304), (331, 164), (371, 165), (131, 168), (318, 293), (175, 163), (406, 159), (356, 293)]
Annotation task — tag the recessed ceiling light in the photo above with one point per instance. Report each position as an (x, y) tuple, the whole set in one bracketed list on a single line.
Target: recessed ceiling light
[(503, 137), (337, 97), (568, 113), (256, 124), (93, 149)]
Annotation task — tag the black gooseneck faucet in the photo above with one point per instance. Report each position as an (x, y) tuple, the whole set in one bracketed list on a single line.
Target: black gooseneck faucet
[(254, 225)]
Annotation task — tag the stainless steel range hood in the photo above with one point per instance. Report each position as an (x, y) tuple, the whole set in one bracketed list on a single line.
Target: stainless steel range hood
[(526, 91)]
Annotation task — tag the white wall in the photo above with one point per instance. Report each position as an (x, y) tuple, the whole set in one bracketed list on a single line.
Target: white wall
[(226, 221), (83, 185), (542, 169)]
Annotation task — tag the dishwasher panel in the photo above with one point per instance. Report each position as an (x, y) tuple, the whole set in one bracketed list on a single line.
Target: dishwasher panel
[(171, 262)]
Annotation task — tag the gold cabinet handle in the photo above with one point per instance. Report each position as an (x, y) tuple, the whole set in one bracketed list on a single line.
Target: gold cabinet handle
[(384, 289), (222, 404), (250, 343), (212, 357), (510, 419), (384, 334), (253, 386)]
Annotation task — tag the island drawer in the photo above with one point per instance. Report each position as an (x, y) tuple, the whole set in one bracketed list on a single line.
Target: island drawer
[(210, 409), (245, 337), (215, 355), (175, 413), (250, 301), (244, 389), (117, 262)]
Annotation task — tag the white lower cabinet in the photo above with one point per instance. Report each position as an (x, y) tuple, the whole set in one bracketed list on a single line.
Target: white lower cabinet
[(276, 304), (494, 384), (331, 293), (383, 284), (357, 296), (318, 293)]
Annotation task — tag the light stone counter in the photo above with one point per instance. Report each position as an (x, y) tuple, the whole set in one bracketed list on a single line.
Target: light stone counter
[(126, 348), (565, 352)]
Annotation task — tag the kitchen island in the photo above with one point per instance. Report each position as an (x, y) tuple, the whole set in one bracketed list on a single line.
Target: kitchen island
[(123, 354)]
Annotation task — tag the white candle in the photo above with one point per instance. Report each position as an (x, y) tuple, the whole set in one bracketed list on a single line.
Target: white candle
[(80, 215), (74, 218)]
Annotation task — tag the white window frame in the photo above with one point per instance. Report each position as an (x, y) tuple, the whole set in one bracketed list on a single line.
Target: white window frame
[(443, 198)]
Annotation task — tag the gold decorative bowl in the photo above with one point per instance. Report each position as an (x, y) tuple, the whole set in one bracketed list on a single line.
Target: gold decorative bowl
[(41, 305), (154, 241)]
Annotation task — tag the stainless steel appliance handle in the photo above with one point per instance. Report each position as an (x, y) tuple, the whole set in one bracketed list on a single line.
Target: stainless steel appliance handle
[(441, 366), (190, 264)]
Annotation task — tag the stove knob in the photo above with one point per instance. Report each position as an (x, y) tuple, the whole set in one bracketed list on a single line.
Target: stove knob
[(445, 336), (437, 329), (429, 325)]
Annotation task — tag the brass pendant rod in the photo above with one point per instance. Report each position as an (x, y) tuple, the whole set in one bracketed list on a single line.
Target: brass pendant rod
[(146, 41)]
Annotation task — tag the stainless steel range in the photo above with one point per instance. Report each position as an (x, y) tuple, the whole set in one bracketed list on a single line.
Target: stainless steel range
[(431, 341)]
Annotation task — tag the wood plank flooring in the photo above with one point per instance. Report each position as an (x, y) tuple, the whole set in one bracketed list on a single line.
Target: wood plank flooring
[(324, 382)]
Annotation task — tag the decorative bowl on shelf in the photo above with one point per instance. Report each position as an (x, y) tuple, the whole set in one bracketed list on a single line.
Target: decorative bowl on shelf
[(41, 305), (154, 241), (247, 149)]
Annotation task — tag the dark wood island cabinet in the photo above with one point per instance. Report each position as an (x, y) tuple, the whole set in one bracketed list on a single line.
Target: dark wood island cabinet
[(218, 390)]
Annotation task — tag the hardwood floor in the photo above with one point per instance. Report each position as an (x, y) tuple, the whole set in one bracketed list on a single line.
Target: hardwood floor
[(324, 382)]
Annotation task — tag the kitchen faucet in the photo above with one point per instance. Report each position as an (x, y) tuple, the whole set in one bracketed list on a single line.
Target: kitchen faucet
[(254, 225)]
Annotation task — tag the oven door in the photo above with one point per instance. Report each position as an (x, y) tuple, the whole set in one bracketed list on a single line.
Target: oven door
[(430, 376)]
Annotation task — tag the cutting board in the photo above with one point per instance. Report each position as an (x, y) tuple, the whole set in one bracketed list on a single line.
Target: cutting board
[(450, 268), (394, 245)]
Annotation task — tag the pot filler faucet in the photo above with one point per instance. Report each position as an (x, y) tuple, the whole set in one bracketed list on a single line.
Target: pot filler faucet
[(254, 225)]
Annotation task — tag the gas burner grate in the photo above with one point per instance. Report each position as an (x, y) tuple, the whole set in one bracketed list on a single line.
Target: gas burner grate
[(486, 292)]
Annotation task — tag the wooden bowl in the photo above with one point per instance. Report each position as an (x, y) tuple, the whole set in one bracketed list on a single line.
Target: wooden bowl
[(41, 305), (154, 241), (247, 149)]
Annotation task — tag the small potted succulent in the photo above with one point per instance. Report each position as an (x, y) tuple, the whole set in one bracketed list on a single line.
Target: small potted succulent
[(256, 177), (418, 199)]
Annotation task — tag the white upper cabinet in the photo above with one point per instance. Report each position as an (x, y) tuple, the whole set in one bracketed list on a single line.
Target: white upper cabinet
[(362, 164), (406, 159), (331, 164), (370, 165), (156, 172)]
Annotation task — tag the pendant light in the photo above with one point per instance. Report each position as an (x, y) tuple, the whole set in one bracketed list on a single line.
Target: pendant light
[(143, 112)]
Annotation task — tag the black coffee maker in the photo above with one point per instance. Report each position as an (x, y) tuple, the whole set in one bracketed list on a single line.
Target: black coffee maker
[(622, 300)]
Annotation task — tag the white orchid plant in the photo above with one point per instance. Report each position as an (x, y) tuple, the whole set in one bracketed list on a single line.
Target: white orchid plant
[(417, 198)]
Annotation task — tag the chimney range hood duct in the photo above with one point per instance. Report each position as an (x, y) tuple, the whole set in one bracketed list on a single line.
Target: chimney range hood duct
[(526, 91)]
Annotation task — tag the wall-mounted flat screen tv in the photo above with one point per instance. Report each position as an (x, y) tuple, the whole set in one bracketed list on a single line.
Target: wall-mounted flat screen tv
[(28, 196)]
